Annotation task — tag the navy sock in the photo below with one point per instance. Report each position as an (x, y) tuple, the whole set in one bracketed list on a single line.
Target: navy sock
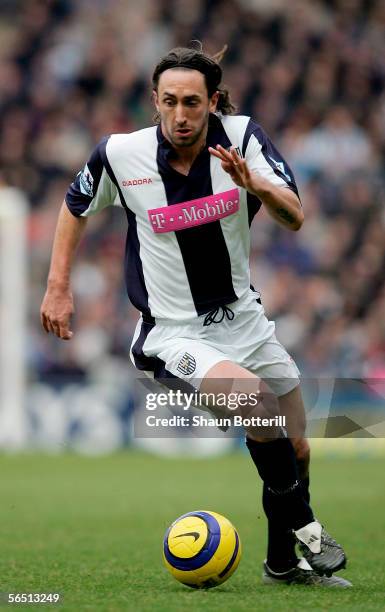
[(277, 466), (281, 555), (305, 482)]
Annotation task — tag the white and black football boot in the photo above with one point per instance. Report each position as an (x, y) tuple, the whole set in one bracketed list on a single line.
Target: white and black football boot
[(320, 550)]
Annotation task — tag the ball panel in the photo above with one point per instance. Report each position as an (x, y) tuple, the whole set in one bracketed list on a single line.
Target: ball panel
[(187, 537)]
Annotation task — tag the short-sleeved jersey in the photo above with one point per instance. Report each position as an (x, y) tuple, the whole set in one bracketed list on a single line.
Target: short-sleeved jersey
[(188, 272)]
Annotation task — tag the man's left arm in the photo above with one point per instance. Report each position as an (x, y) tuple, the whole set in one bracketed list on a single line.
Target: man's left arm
[(280, 201)]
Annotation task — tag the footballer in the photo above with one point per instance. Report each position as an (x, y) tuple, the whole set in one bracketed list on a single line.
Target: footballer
[(190, 187)]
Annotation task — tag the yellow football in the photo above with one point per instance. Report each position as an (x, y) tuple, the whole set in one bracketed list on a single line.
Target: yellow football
[(201, 549)]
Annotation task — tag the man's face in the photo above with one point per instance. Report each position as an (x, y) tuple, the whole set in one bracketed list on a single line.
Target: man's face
[(184, 106)]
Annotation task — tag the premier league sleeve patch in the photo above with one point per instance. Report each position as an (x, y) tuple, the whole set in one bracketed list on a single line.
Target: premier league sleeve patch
[(86, 182)]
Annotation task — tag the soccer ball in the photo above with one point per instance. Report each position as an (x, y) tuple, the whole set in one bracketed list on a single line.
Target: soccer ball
[(201, 549)]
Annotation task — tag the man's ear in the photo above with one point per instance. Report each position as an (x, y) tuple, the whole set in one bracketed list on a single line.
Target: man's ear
[(155, 99), (213, 102)]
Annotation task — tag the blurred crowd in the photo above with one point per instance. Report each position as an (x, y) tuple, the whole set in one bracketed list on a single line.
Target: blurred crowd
[(312, 73)]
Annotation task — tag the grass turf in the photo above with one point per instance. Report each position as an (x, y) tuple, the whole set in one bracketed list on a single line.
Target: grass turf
[(92, 528)]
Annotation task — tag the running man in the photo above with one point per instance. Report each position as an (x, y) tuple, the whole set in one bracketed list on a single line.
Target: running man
[(190, 187)]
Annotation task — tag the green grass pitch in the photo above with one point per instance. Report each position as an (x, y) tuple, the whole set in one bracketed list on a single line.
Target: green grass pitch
[(92, 529)]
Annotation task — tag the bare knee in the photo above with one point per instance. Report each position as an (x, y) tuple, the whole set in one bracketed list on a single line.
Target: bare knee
[(241, 389)]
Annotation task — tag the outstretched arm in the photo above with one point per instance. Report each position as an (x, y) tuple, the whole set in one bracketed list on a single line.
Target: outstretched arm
[(281, 203), (57, 306)]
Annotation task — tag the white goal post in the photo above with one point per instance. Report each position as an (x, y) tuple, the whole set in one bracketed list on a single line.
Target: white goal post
[(13, 317)]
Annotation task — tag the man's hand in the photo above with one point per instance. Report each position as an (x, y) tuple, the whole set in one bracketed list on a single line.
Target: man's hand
[(234, 165), (280, 202), (56, 311)]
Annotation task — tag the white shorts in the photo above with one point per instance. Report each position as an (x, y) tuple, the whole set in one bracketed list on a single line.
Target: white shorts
[(187, 351)]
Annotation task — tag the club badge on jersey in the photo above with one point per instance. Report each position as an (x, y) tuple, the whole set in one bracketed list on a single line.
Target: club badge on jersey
[(187, 364)]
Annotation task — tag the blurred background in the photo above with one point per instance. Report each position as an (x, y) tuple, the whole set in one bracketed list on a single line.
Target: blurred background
[(311, 73)]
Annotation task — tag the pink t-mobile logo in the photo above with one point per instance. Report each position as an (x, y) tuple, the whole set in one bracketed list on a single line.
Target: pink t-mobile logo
[(194, 212)]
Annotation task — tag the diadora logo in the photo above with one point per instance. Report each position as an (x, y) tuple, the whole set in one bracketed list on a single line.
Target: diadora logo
[(134, 182)]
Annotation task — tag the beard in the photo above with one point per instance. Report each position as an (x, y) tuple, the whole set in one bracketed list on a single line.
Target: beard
[(188, 141)]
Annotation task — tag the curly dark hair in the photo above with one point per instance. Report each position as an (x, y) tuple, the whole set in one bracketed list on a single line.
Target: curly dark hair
[(195, 59)]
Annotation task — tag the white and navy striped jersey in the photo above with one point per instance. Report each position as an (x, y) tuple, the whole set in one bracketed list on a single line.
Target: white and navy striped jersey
[(186, 273)]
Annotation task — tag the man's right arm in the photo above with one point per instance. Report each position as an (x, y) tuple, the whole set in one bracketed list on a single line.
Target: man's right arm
[(57, 306), (91, 191)]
